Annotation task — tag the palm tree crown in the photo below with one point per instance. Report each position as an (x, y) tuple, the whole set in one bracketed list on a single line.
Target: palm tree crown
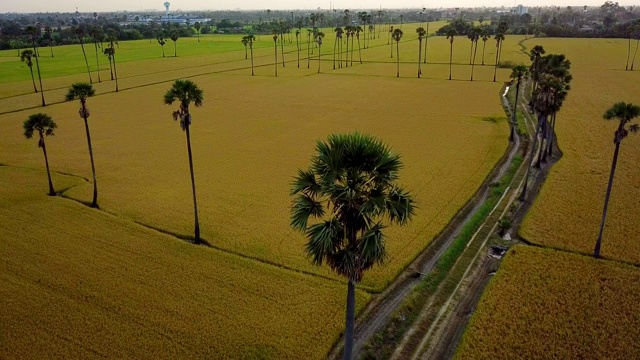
[(26, 57), (40, 123), (80, 91), (625, 113), (397, 35), (186, 92), (354, 174)]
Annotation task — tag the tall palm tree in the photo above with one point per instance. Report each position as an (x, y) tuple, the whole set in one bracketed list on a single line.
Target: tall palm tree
[(535, 55), (637, 34), (517, 73), (80, 34), (245, 42), (426, 40), (49, 36), (397, 35), (282, 29), (107, 53), (347, 193), (543, 103), (98, 36), (44, 126), (198, 26), (174, 35), (475, 37), (499, 38), (26, 57), (485, 37), (250, 39), (186, 92), (33, 33), (389, 41), (629, 33), (298, 45), (275, 43), (338, 31), (319, 36), (358, 30), (161, 41), (111, 38), (625, 113), (82, 91), (309, 33), (421, 34), (451, 34)]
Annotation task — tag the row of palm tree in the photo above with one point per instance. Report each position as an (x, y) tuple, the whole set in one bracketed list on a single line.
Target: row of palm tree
[(174, 35)]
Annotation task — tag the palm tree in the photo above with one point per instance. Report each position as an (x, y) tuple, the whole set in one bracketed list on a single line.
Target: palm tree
[(637, 33), (275, 43), (79, 31), (354, 175), (282, 29), (451, 35), (161, 41), (44, 126), (389, 42), (197, 26), (338, 31), (186, 92), (33, 32), (82, 91), (535, 55), (245, 42), (174, 35), (475, 36), (397, 35), (544, 100), (421, 34), (107, 53), (49, 36), (499, 38), (250, 39), (319, 36), (485, 37), (298, 45), (358, 30), (624, 113), (98, 37), (309, 33), (26, 57), (111, 38), (629, 33), (517, 73), (426, 41)]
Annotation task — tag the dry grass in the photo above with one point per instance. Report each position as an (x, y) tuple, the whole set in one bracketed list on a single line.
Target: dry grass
[(77, 283), (568, 211), (546, 304)]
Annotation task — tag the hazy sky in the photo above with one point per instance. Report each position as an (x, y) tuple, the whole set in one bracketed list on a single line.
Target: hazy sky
[(113, 5)]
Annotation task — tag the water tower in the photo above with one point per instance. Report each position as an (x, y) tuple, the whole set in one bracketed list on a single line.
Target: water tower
[(166, 6)]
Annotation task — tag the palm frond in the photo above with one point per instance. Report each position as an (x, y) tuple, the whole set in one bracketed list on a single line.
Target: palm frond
[(80, 91), (305, 182), (304, 207), (345, 263), (371, 246), (324, 239), (400, 205)]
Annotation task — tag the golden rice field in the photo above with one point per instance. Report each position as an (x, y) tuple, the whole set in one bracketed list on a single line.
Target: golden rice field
[(253, 133), (548, 304), (79, 283), (568, 211)]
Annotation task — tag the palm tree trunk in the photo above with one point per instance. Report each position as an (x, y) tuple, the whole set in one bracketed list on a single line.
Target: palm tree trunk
[(308, 50), (523, 194), (51, 47), (471, 53), (628, 53), (426, 42), (596, 251), (298, 48), (251, 48), (350, 326), (335, 44), (193, 186), (46, 161), (246, 56), (175, 49), (552, 131), (484, 45), (495, 67), (419, 56), (86, 62), (450, 59), (115, 70), (634, 54), (473, 62), (514, 119), (275, 43), (319, 52), (282, 48), (162, 51), (543, 135), (360, 51), (110, 68), (391, 51), (352, 47), (94, 203), (398, 57), (33, 80), (39, 76), (97, 62)]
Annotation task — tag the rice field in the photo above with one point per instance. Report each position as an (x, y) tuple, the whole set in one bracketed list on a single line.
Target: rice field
[(549, 304), (568, 211), (78, 283)]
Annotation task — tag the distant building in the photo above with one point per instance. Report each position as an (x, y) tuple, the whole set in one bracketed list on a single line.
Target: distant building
[(521, 10)]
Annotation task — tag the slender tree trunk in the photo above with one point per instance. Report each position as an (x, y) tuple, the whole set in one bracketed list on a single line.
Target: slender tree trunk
[(450, 59), (319, 53), (426, 42), (419, 56), (86, 62), (175, 49), (162, 52), (251, 48), (391, 50), (471, 53), (115, 70), (276, 52), (514, 119), (552, 131), (628, 53), (473, 64), (495, 67), (51, 47), (33, 80), (94, 203), (398, 57), (308, 50), (111, 68), (350, 321), (335, 45), (352, 48), (193, 185), (97, 62), (484, 45), (282, 49), (298, 48), (360, 51), (523, 194), (543, 135), (39, 76), (634, 54), (596, 251), (246, 55), (46, 161)]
